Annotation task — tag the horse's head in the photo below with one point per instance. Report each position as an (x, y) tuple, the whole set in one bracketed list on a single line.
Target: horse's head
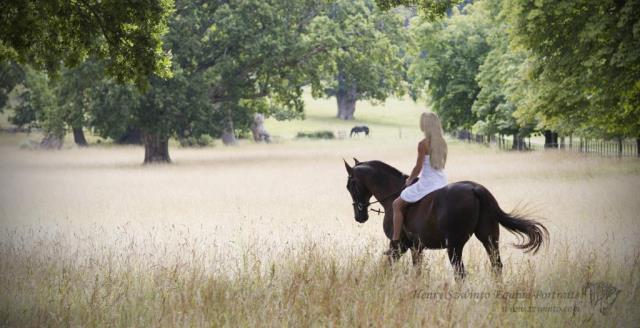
[(359, 193)]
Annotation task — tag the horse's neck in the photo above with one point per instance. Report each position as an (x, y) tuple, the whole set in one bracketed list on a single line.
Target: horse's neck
[(385, 193)]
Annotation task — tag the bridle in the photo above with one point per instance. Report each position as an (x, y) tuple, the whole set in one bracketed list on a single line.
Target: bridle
[(362, 205)]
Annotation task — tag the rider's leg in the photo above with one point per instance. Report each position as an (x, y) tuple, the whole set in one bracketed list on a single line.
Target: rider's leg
[(394, 245), (398, 217)]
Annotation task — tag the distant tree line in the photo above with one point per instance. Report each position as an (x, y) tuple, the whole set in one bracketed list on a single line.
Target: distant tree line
[(148, 71), (517, 67), (228, 61)]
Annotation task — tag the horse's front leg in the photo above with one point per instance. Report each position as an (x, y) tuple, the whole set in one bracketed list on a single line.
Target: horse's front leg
[(395, 256)]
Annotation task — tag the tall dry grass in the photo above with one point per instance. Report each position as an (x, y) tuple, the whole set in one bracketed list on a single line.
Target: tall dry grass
[(264, 235)]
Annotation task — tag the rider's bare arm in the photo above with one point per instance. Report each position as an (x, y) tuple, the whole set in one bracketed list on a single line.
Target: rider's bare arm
[(422, 151)]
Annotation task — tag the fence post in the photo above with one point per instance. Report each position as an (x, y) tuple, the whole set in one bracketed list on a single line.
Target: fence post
[(601, 147), (571, 142), (580, 146), (586, 144)]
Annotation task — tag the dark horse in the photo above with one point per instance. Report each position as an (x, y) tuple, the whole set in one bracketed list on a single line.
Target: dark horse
[(445, 218), (360, 128)]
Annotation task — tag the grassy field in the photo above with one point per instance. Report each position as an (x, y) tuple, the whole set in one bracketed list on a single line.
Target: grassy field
[(396, 118), (264, 235)]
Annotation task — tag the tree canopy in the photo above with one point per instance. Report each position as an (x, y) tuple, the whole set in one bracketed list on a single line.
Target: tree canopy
[(584, 63), (205, 68), (431, 9), (126, 34), (452, 52), (367, 59)]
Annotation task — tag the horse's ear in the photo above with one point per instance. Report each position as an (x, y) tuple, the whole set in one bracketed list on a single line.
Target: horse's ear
[(356, 160), (349, 168)]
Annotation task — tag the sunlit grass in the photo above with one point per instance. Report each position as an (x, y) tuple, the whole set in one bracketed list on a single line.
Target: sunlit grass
[(69, 279), (264, 235), (395, 118)]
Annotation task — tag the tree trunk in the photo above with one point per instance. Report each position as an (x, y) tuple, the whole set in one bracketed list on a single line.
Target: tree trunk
[(550, 139), (52, 141), (638, 147), (518, 143), (78, 137), (258, 130), (571, 141), (619, 147), (347, 102), (156, 148), (228, 134), (228, 137)]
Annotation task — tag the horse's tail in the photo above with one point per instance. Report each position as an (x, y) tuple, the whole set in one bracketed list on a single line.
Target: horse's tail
[(531, 232)]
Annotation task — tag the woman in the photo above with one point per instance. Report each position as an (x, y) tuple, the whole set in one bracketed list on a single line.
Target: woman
[(432, 155)]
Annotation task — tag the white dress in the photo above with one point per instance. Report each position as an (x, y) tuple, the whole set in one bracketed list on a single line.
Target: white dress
[(430, 180)]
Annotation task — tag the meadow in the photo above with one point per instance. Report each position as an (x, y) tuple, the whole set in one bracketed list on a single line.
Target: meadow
[(264, 235)]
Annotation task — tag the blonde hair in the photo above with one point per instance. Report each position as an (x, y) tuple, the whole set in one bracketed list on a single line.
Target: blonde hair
[(432, 128)]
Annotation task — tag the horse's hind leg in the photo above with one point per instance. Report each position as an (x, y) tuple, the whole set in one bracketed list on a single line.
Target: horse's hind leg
[(489, 238), (491, 246), (455, 257)]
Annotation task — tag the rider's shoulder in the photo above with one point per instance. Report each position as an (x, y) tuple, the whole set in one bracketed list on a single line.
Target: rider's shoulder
[(423, 144)]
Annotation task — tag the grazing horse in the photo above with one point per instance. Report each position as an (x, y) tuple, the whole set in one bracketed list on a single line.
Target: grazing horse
[(360, 128), (445, 218)]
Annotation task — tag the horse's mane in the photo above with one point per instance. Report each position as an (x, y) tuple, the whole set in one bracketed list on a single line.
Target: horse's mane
[(383, 167)]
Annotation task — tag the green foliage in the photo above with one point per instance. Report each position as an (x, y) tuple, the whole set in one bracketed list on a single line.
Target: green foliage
[(11, 75), (584, 64), (251, 50), (124, 33), (112, 107), (74, 88), (497, 66), (37, 104), (230, 60), (368, 56), (570, 67), (499, 77), (431, 9), (200, 141), (168, 106), (452, 52)]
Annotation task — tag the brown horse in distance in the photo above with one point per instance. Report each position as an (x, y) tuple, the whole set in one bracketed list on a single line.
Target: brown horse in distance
[(445, 218)]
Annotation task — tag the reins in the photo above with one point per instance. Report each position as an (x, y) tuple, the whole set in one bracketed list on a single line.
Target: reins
[(379, 211)]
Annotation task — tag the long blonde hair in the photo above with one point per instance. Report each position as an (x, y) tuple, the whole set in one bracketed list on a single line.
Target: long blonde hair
[(432, 128)]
